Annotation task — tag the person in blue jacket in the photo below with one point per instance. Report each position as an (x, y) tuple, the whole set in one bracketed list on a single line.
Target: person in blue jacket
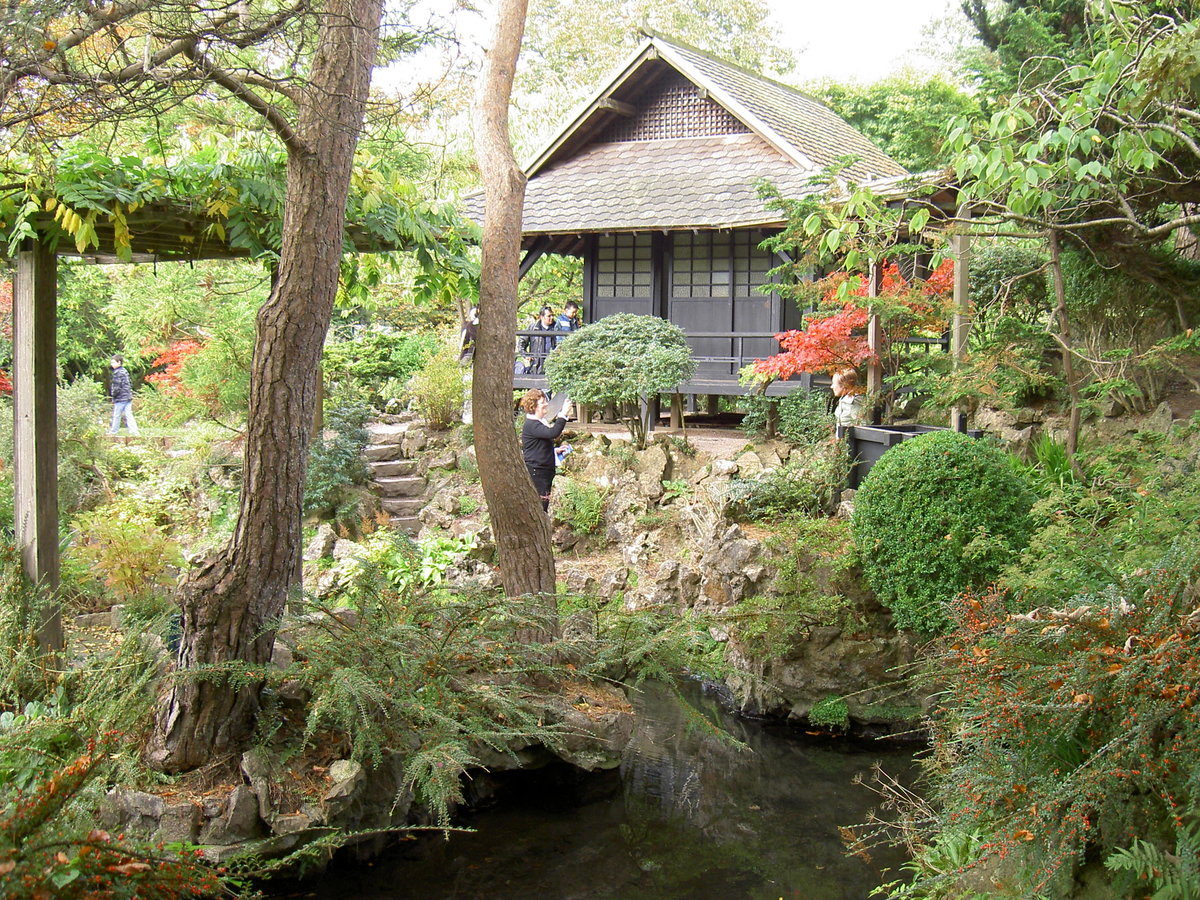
[(120, 391), (569, 319), (537, 441)]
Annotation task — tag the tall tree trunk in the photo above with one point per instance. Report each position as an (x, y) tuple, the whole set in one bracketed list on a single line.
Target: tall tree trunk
[(1068, 353), (230, 605), (521, 527)]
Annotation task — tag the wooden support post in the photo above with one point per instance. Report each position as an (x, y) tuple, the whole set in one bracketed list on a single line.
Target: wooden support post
[(677, 410), (960, 329), (712, 403), (875, 342), (35, 426)]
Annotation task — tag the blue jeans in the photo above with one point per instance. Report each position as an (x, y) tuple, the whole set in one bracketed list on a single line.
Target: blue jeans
[(123, 408)]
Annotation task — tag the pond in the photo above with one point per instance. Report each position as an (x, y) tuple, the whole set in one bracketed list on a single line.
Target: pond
[(687, 815)]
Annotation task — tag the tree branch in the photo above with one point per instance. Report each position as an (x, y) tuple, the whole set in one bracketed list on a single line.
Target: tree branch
[(271, 113)]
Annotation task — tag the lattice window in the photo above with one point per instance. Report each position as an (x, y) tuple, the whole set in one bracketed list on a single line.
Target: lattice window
[(719, 265), (674, 109), (624, 266)]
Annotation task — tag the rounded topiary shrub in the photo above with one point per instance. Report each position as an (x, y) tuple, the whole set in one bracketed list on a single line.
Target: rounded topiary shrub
[(938, 514)]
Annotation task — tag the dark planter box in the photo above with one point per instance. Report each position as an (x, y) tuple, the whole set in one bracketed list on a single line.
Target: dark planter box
[(869, 442)]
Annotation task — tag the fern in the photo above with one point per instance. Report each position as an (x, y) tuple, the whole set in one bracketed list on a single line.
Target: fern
[(1171, 876)]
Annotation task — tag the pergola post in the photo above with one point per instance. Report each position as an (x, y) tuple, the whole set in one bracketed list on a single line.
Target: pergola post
[(35, 425), (960, 329), (874, 341)]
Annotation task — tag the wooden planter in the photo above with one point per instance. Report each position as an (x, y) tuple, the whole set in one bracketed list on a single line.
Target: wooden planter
[(869, 442)]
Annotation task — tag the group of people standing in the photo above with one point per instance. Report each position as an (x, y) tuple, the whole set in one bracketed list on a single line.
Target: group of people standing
[(532, 350)]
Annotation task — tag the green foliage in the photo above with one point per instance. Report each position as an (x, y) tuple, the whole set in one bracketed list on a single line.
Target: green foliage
[(336, 471), (581, 506), (1172, 876), (938, 514), (677, 487), (904, 115), (622, 359), (448, 671), (804, 416), (831, 712), (82, 478), (437, 391), (387, 560), (1132, 501), (127, 546), (799, 487), (816, 572), (365, 358)]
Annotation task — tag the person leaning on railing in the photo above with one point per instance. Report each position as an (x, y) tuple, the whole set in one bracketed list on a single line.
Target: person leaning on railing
[(849, 409)]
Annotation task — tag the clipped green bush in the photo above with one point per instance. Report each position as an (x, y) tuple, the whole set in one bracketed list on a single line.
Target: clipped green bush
[(624, 360), (938, 514)]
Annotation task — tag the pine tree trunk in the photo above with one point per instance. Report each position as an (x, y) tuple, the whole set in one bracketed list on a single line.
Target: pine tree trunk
[(521, 527), (231, 604)]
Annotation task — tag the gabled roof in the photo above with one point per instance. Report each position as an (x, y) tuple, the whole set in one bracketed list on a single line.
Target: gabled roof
[(608, 170)]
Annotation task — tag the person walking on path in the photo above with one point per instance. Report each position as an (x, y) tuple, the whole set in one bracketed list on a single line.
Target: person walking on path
[(121, 392), (537, 441)]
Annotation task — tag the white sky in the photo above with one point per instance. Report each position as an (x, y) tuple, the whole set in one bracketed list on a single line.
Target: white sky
[(856, 40)]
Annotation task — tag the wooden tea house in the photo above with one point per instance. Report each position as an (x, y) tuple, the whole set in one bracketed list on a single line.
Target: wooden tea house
[(654, 184)]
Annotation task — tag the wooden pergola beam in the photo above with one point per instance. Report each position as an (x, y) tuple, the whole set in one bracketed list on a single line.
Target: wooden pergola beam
[(35, 426)]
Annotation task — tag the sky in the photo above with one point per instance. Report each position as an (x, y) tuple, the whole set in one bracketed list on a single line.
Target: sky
[(856, 40)]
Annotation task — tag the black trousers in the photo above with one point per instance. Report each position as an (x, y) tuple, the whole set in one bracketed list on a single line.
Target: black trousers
[(543, 480)]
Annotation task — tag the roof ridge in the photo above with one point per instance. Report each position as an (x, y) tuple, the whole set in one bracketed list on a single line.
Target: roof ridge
[(729, 64)]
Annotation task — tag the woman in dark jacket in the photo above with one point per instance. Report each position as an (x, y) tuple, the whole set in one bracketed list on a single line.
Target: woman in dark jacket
[(537, 441)]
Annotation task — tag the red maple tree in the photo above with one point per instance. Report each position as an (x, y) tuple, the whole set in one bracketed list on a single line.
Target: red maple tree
[(172, 361), (838, 340)]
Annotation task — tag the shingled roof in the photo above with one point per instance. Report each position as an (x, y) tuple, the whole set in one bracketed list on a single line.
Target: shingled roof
[(680, 139)]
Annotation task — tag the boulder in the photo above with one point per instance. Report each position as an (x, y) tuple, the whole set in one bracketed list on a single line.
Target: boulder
[(749, 464), (138, 812), (322, 543), (236, 819)]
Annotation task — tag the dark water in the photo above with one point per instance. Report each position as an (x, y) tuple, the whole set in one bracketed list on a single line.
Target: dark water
[(687, 817)]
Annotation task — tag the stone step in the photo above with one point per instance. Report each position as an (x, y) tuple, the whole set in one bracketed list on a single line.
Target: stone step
[(386, 433), (382, 452), (392, 467), (408, 524), (407, 506), (400, 485)]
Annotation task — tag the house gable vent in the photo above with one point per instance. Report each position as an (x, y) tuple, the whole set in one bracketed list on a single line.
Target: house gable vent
[(674, 109)]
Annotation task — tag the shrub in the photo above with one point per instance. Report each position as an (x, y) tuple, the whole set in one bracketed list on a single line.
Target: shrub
[(126, 547), (437, 391), (622, 359), (938, 514), (804, 416), (1075, 730), (798, 487), (362, 363), (581, 506), (336, 467), (831, 712)]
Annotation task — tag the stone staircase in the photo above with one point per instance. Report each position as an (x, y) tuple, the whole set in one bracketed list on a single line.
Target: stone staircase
[(395, 477)]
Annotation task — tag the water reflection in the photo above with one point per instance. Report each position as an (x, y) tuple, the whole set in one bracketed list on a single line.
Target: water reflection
[(688, 817)]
